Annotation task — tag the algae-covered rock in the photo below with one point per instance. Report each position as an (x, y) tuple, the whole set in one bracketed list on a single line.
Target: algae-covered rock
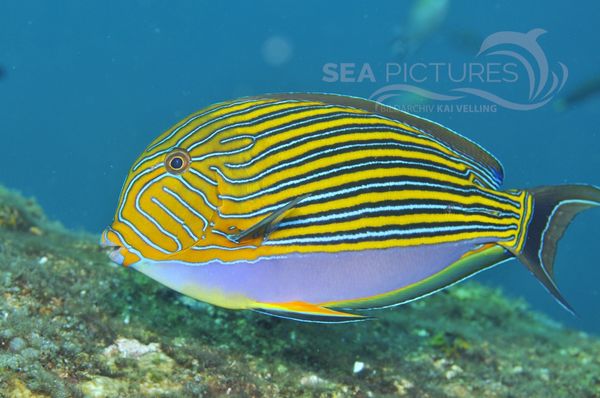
[(20, 214), (72, 324), (102, 386)]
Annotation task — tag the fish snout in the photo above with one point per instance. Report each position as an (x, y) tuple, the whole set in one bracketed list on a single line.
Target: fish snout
[(115, 249)]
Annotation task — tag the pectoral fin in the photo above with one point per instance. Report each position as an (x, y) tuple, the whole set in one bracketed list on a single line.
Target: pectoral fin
[(264, 227), (306, 312)]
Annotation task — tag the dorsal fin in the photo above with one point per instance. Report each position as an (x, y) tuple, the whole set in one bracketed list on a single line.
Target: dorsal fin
[(493, 173), (264, 227)]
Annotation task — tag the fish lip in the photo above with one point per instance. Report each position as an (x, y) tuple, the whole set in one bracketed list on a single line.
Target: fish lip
[(108, 245), (112, 250), (115, 255)]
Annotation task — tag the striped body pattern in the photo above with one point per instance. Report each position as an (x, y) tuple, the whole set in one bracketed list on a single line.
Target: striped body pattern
[(314, 174), (372, 183)]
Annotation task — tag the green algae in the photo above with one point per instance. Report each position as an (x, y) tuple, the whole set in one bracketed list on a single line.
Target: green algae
[(66, 310)]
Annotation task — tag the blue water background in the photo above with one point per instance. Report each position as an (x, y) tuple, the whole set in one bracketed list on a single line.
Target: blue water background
[(89, 84)]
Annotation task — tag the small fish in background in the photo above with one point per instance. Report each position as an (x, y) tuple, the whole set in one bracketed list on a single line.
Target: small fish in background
[(2, 72), (424, 19), (316, 207), (579, 94)]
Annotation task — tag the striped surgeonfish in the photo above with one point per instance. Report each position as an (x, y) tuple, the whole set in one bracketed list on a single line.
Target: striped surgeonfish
[(315, 207)]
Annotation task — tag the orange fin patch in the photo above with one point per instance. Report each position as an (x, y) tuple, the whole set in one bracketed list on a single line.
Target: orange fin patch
[(306, 312)]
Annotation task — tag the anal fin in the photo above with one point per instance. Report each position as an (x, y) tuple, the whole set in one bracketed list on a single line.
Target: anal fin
[(306, 312)]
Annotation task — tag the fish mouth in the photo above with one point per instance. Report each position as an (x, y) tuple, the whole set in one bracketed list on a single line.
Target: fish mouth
[(111, 247), (111, 251)]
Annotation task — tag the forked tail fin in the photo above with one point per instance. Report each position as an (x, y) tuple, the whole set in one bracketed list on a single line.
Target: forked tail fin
[(554, 207)]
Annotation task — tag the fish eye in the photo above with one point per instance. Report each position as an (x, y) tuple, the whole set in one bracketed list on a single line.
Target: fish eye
[(177, 161)]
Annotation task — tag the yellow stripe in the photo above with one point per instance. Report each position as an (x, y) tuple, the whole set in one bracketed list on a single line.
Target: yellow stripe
[(229, 206), (405, 220)]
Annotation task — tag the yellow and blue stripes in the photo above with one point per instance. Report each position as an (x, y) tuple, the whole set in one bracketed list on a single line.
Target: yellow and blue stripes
[(370, 181)]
